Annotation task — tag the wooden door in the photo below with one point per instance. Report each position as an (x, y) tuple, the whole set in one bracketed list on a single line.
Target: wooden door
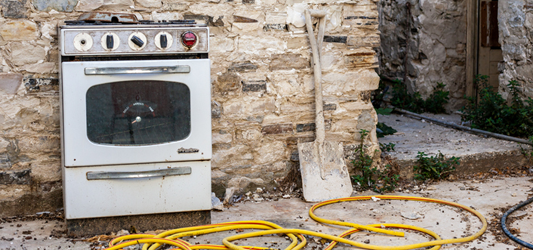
[(489, 48)]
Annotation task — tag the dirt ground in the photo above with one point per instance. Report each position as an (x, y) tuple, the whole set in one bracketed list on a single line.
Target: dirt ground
[(490, 196), (491, 193)]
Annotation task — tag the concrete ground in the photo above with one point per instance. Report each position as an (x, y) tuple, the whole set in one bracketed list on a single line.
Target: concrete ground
[(489, 196), (478, 153)]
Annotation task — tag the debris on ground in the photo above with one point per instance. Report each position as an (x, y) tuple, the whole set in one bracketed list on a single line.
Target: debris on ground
[(216, 203), (411, 216)]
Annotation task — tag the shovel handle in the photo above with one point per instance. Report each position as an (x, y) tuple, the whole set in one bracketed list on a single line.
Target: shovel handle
[(317, 70)]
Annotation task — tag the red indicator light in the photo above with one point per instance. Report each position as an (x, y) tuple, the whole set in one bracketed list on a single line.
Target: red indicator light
[(188, 39)]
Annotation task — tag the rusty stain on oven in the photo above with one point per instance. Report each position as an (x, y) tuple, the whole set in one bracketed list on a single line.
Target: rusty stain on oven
[(107, 17)]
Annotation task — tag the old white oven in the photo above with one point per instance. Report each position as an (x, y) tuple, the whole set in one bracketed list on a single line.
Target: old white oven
[(136, 117)]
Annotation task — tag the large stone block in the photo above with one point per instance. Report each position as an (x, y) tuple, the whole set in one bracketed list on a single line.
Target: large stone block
[(215, 11), (49, 30), (243, 67), (285, 84), (46, 171), (254, 86), (228, 81), (20, 30), (40, 144), (41, 68), (254, 45), (335, 39), (58, 5), (14, 8), (363, 41), (41, 84), (222, 137), (117, 5), (249, 106), (251, 135), (150, 3), (221, 44), (176, 6), (276, 17), (243, 183), (89, 5), (3, 148), (338, 84), (237, 155), (275, 21), (297, 109), (243, 28), (366, 121), (10, 83), (270, 152), (361, 59), (160, 16), (288, 61), (277, 129), (334, 18), (15, 177), (24, 53), (298, 42)]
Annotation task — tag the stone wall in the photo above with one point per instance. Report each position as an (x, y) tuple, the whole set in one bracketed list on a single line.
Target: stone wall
[(515, 20), (262, 86), (431, 36)]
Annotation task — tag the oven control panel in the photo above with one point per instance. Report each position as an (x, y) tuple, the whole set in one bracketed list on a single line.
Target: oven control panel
[(108, 40)]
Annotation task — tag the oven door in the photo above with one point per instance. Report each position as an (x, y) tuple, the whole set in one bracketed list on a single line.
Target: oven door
[(123, 112)]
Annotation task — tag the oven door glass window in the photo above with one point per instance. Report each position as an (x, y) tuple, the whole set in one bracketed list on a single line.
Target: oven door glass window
[(138, 112)]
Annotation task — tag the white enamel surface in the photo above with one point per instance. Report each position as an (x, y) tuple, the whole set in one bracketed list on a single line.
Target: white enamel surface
[(80, 151), (103, 198)]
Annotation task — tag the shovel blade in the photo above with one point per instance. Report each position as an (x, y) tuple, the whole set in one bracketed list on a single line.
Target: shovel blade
[(324, 173)]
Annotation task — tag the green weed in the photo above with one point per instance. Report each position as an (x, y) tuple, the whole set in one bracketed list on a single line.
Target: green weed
[(386, 147), (370, 177), (383, 130), (492, 113), (414, 102), (435, 168)]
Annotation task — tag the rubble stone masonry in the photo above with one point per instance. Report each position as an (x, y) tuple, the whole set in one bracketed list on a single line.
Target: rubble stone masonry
[(424, 42), (515, 20), (262, 86)]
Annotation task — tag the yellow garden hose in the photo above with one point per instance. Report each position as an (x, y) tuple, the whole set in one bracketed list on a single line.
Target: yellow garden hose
[(171, 237)]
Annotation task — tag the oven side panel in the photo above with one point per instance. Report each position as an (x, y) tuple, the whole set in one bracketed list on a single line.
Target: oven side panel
[(132, 196)]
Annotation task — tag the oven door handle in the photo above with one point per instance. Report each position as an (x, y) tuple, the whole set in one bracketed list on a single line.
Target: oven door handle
[(103, 175), (138, 70)]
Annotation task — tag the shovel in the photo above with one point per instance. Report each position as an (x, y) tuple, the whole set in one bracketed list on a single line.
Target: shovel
[(324, 173)]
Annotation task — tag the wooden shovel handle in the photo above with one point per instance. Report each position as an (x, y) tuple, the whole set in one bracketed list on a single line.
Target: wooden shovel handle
[(317, 70)]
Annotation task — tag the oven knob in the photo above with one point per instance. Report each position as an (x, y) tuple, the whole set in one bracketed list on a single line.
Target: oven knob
[(163, 40), (137, 41), (110, 41), (189, 39), (83, 42)]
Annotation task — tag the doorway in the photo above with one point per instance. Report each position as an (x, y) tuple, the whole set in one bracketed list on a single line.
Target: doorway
[(483, 48)]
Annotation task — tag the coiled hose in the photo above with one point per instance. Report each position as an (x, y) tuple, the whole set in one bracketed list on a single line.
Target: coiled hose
[(171, 237), (504, 226)]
